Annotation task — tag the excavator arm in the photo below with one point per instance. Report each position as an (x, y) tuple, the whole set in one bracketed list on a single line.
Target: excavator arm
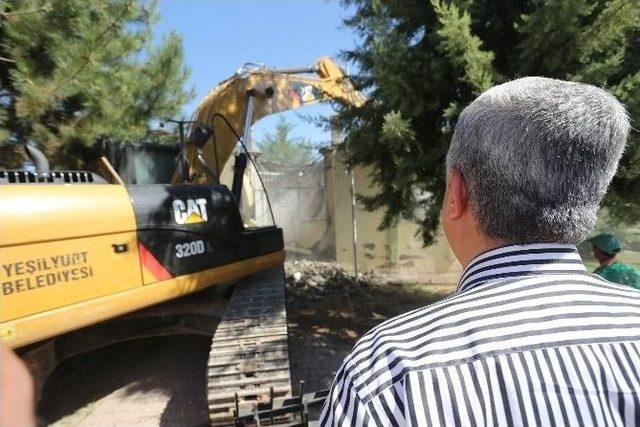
[(249, 95)]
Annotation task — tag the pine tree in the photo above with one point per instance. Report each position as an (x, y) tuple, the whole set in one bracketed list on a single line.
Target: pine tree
[(280, 147), (421, 62), (72, 71)]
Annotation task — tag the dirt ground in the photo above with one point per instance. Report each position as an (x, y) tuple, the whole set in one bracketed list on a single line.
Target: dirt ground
[(151, 382), (324, 327), (160, 381)]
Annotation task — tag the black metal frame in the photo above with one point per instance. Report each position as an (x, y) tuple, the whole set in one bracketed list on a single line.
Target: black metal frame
[(285, 412)]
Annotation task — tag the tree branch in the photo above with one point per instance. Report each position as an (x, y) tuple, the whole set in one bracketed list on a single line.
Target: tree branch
[(46, 8), (96, 43)]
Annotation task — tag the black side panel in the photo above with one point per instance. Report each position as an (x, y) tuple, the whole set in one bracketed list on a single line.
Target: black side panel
[(187, 228), (238, 173), (182, 252), (180, 208), (260, 241)]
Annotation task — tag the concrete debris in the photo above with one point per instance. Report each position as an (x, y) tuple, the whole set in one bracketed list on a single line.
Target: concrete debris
[(325, 277)]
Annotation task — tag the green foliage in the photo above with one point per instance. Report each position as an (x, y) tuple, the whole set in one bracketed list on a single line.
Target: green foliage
[(421, 62), (462, 48), (74, 70), (280, 147)]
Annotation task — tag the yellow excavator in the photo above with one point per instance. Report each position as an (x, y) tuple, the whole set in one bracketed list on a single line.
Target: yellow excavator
[(86, 261)]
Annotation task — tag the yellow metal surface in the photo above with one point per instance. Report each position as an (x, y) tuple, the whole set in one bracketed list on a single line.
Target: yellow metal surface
[(27, 330), (62, 212), (147, 276), (7, 333), (290, 91), (56, 246), (43, 276)]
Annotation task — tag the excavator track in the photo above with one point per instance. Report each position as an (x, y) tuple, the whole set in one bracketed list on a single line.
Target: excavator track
[(249, 355)]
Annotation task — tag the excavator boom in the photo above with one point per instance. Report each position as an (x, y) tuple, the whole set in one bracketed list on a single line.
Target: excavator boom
[(253, 93)]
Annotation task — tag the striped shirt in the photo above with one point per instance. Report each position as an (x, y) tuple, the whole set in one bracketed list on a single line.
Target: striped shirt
[(528, 338)]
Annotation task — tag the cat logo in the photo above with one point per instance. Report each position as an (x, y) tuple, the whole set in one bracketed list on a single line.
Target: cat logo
[(308, 93), (304, 94), (193, 211)]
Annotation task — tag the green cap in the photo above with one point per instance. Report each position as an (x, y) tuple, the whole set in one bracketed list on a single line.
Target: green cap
[(607, 243)]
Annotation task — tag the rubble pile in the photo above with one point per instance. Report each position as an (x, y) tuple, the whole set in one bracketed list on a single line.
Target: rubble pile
[(324, 277)]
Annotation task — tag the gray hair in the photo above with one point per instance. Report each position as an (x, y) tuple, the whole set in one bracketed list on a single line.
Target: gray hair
[(537, 156)]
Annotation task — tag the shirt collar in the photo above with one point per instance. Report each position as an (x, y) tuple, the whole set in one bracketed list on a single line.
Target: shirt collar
[(521, 260)]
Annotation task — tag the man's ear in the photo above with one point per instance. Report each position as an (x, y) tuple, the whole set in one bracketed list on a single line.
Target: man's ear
[(458, 195)]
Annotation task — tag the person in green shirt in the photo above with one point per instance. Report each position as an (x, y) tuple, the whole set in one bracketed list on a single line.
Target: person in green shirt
[(605, 249)]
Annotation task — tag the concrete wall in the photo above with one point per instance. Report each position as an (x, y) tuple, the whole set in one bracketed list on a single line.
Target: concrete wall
[(398, 252), (299, 206), (315, 214)]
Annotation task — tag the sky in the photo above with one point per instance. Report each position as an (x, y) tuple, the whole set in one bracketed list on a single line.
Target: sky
[(219, 36)]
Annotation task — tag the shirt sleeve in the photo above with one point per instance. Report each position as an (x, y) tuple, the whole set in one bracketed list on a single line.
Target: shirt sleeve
[(343, 407)]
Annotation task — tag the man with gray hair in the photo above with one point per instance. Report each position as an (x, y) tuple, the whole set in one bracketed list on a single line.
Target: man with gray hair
[(529, 337)]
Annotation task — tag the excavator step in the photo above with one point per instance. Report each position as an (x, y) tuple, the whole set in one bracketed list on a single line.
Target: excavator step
[(252, 335), (249, 357), (253, 381), (250, 326), (263, 366), (230, 362), (231, 353), (227, 397)]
